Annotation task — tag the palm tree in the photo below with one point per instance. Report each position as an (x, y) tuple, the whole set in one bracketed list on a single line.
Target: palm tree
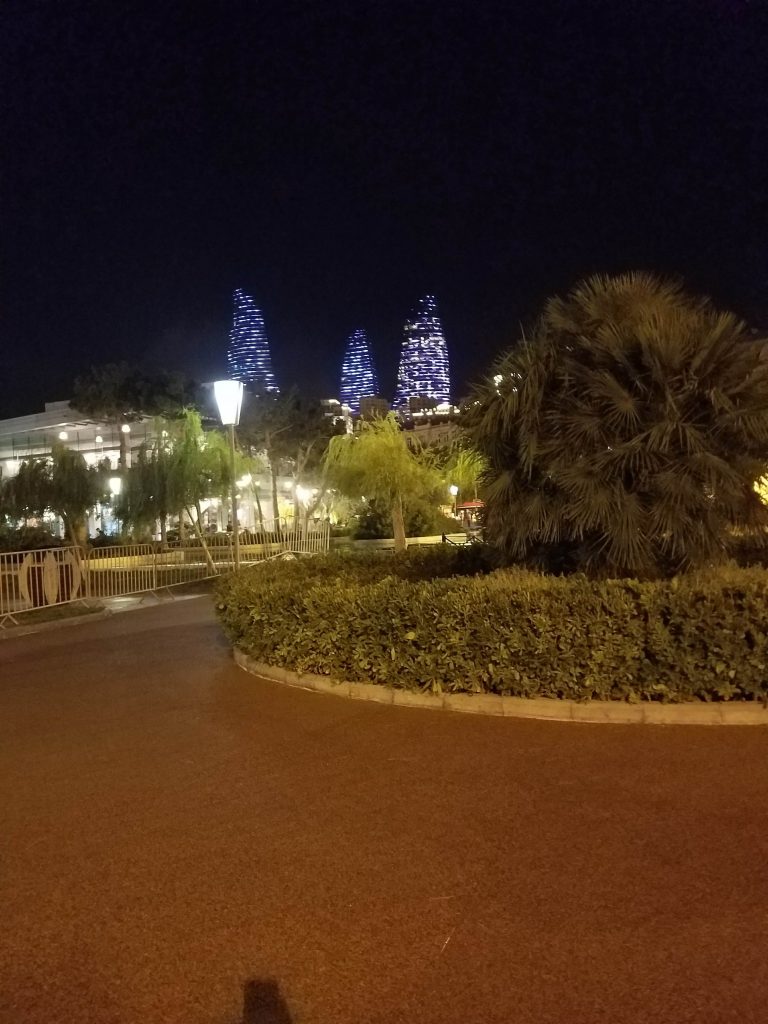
[(625, 434)]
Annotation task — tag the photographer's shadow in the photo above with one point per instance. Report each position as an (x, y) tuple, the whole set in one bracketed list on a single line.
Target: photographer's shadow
[(263, 1003)]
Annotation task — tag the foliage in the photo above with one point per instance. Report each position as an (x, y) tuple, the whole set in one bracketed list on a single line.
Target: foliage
[(378, 464), (465, 467), (120, 393), (63, 484), (625, 433), (293, 431), (26, 538), (698, 637), (421, 518)]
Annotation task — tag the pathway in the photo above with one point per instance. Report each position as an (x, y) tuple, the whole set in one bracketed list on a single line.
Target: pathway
[(173, 830)]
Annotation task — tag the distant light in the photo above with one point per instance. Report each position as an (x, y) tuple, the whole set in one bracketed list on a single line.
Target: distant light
[(99, 439), (229, 398), (244, 480), (303, 494), (248, 354), (358, 375), (63, 435), (12, 465), (125, 428), (115, 485), (423, 369), (454, 490)]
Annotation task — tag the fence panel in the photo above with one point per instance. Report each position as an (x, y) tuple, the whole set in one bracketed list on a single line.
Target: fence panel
[(120, 570), (54, 576), (40, 579)]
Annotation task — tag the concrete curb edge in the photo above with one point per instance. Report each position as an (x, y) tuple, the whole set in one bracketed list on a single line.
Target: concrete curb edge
[(549, 709), (46, 627)]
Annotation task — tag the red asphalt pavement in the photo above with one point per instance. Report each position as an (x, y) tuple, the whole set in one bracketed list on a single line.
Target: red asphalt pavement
[(174, 829)]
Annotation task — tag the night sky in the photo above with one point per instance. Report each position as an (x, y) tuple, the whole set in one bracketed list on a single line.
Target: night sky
[(338, 160)]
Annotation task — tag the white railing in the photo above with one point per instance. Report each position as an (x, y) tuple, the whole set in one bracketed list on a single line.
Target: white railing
[(57, 576), (36, 579)]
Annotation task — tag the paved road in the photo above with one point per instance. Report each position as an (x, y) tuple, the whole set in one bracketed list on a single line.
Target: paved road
[(174, 830)]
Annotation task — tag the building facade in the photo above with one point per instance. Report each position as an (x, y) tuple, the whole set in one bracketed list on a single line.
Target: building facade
[(248, 355), (423, 373)]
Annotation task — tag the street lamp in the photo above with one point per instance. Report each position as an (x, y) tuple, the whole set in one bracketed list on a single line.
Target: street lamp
[(454, 491), (229, 398)]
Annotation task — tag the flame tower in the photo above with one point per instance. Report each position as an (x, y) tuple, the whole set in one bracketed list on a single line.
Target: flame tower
[(358, 376), (423, 371), (248, 353)]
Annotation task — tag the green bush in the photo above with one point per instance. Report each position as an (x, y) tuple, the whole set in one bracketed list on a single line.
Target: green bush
[(415, 621), (26, 538), (374, 522)]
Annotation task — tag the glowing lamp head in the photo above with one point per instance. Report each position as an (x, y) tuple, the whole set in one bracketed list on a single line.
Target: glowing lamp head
[(115, 485), (229, 398), (63, 435), (126, 428), (99, 439), (454, 490)]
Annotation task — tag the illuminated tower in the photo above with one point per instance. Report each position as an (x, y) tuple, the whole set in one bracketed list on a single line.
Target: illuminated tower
[(248, 354), (358, 377), (423, 371)]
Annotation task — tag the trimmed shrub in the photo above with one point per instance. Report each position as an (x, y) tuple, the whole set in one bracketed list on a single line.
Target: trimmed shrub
[(414, 622)]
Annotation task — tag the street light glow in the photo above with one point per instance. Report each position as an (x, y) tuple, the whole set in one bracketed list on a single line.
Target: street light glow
[(229, 398)]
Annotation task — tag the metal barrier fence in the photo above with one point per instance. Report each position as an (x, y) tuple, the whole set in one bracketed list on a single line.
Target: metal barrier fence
[(57, 576)]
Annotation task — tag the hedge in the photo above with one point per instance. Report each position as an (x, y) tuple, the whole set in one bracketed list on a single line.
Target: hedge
[(376, 619)]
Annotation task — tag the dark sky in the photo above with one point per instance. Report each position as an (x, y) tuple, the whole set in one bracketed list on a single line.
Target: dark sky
[(340, 159)]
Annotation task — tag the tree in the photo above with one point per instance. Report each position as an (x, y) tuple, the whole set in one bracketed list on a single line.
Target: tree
[(121, 394), (181, 467), (377, 463), (624, 435), (148, 494), (64, 484), (293, 432), (465, 467)]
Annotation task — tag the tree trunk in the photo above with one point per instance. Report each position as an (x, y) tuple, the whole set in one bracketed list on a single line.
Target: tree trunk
[(182, 529), (273, 474), (398, 525), (123, 460), (257, 499), (164, 531), (313, 506), (199, 534)]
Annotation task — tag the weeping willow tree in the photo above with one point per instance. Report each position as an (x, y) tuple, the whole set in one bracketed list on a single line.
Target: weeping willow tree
[(378, 464), (625, 434)]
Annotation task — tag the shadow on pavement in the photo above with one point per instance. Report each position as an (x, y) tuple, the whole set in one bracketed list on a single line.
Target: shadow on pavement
[(263, 1004)]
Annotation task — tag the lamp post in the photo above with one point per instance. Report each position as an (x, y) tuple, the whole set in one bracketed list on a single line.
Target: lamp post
[(229, 398), (454, 491)]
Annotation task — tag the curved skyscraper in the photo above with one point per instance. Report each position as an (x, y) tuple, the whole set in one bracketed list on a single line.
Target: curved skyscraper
[(358, 376), (248, 353), (423, 371)]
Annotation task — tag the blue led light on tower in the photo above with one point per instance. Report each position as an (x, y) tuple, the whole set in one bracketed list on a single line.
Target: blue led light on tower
[(358, 376), (248, 353), (423, 370)]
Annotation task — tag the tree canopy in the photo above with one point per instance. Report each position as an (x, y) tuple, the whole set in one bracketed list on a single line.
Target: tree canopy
[(624, 434), (63, 484), (377, 463), (120, 393)]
